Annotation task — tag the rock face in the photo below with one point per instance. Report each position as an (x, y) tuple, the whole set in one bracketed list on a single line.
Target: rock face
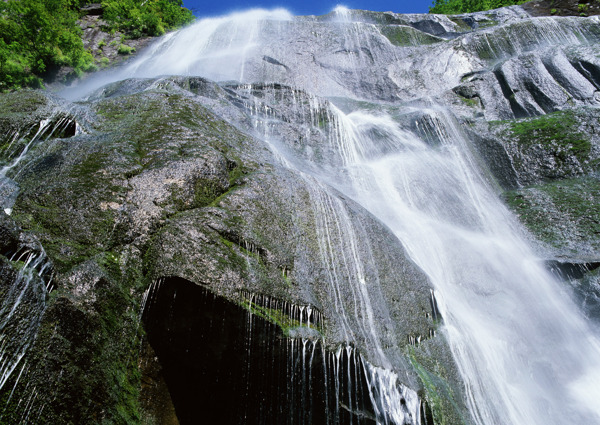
[(161, 220), (153, 185)]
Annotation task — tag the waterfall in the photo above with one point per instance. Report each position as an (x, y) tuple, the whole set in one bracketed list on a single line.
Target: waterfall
[(524, 350)]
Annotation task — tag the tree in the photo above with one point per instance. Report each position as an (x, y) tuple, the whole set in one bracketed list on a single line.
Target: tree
[(37, 36), (145, 17)]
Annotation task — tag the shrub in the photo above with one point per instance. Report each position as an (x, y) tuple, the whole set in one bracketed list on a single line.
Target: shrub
[(125, 50)]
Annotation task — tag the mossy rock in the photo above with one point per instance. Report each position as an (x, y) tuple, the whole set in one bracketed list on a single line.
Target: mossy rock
[(403, 36), (562, 144), (564, 214), (156, 185), (557, 132), (438, 384)]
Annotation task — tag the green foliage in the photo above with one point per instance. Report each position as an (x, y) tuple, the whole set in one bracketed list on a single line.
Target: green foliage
[(450, 7), (125, 50), (145, 17), (104, 61), (36, 37)]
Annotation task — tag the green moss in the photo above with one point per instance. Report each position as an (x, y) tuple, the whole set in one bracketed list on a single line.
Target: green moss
[(470, 102), (462, 26), (227, 242), (277, 317), (155, 117), (438, 393), (70, 225), (109, 261), (400, 35), (68, 236), (557, 132), (238, 257), (94, 345), (65, 253), (206, 191), (560, 211), (21, 102), (236, 173)]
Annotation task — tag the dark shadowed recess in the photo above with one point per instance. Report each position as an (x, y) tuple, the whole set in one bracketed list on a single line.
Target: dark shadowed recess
[(224, 365)]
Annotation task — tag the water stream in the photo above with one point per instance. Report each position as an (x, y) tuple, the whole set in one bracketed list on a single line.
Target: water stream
[(525, 352)]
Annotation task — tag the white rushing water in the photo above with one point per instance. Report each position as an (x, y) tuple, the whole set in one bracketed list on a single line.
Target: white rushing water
[(525, 352)]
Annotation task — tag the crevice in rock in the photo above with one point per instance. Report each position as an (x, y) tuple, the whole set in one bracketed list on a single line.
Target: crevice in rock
[(273, 61), (561, 75), (590, 71), (570, 270), (517, 110), (544, 102), (224, 365)]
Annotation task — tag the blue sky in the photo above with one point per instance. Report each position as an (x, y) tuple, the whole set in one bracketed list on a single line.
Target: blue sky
[(203, 8)]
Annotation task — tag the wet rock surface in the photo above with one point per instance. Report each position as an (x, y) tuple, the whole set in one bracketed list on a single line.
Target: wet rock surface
[(154, 184)]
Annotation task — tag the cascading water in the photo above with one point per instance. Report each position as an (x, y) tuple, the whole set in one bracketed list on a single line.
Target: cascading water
[(523, 348), (524, 351), (27, 275), (21, 311)]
